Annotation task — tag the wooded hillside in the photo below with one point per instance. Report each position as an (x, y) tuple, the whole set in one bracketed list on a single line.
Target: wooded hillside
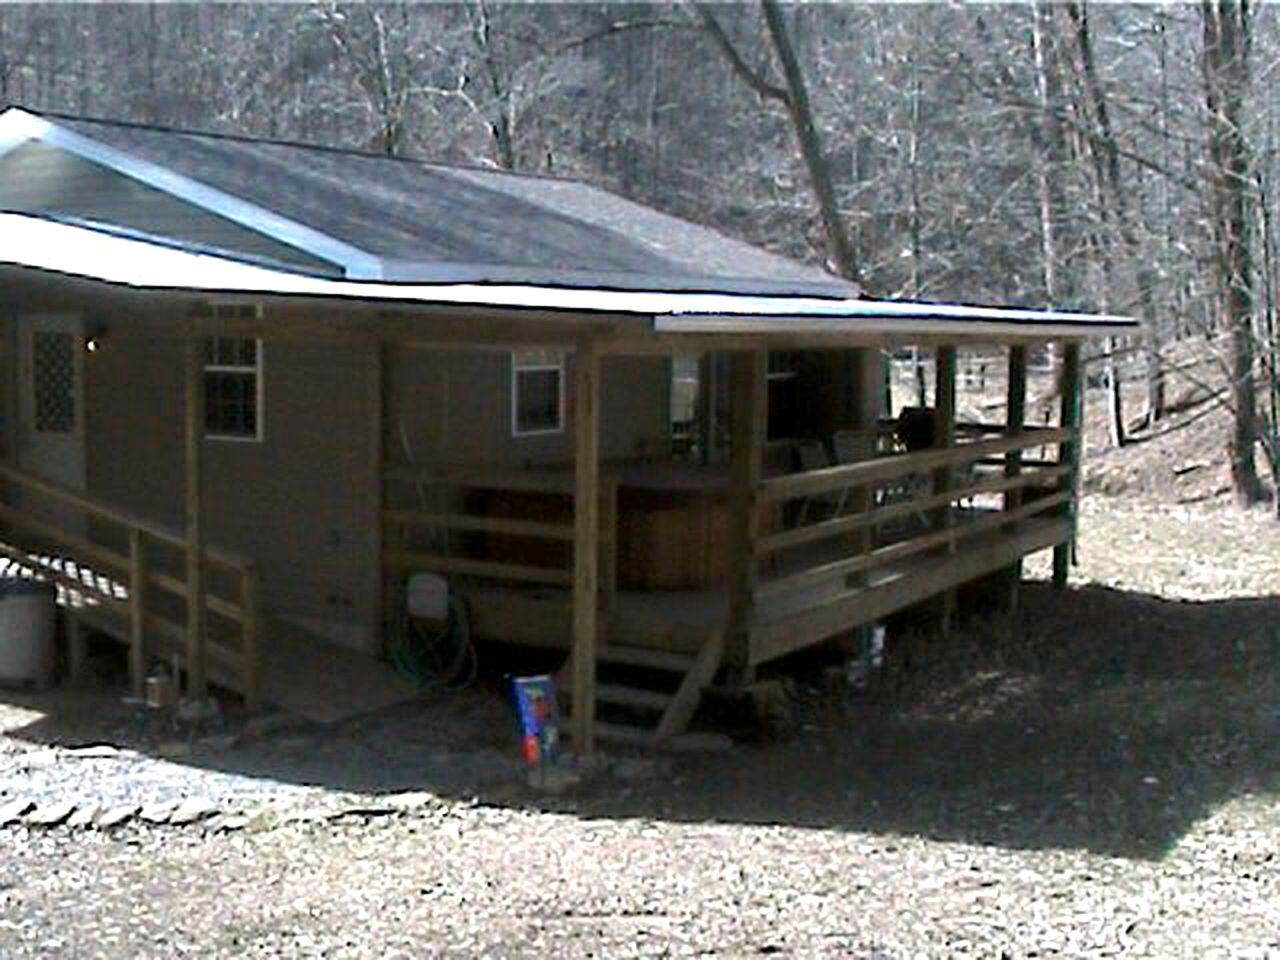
[(1118, 158)]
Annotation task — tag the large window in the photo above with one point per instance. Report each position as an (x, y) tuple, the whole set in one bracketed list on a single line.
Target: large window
[(537, 392), (233, 388)]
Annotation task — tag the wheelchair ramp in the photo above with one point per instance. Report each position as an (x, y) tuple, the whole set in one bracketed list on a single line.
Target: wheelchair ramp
[(314, 678)]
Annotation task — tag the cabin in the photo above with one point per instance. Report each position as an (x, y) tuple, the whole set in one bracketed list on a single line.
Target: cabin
[(250, 388)]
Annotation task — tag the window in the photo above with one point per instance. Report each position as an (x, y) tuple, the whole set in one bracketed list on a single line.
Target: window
[(233, 388), (537, 392)]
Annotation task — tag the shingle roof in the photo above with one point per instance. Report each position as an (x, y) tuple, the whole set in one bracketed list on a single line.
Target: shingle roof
[(428, 221)]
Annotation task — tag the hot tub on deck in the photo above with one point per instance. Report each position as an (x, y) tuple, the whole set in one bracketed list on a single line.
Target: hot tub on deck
[(673, 526)]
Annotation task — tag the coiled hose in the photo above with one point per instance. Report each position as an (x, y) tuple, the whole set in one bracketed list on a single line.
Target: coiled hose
[(436, 658)]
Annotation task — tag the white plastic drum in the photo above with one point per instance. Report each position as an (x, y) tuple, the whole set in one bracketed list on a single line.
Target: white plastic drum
[(27, 609)]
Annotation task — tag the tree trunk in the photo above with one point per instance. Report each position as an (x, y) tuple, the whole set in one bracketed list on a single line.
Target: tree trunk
[(815, 159), (1226, 78)]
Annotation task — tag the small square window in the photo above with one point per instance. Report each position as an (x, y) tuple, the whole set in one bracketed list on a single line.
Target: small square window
[(233, 388), (537, 392)]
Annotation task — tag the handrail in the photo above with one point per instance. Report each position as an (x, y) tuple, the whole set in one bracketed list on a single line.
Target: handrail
[(837, 526), (402, 557), (134, 567), (219, 555), (882, 469), (906, 548)]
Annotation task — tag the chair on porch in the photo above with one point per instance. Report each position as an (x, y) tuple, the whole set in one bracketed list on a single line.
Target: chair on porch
[(812, 455)]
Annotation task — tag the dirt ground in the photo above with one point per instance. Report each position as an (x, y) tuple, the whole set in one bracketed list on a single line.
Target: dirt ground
[(1093, 775)]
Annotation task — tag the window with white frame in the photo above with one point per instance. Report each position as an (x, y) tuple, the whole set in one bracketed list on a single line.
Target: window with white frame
[(233, 388), (537, 392)]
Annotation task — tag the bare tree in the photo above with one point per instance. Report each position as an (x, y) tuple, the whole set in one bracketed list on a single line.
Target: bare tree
[(1226, 40), (793, 94)]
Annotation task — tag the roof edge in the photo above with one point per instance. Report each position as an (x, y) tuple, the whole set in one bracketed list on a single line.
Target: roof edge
[(19, 126)]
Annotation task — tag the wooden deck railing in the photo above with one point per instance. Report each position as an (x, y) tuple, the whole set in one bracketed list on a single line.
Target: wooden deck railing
[(859, 554), (422, 539), (110, 561)]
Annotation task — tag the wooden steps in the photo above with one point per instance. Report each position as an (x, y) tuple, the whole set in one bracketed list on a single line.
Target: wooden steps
[(648, 697)]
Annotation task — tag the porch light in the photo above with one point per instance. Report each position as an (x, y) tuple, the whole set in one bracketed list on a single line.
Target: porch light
[(94, 336)]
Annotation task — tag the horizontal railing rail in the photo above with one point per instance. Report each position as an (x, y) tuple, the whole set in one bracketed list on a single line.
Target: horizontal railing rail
[(901, 466), (840, 546), (420, 539), (52, 529)]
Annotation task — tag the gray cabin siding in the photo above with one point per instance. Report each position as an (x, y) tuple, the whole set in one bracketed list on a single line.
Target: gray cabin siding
[(41, 179), (454, 407), (299, 502)]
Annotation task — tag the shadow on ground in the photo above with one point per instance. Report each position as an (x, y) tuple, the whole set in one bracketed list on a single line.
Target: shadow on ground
[(1098, 720)]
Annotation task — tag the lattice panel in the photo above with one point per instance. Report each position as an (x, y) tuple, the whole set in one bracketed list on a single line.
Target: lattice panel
[(53, 360)]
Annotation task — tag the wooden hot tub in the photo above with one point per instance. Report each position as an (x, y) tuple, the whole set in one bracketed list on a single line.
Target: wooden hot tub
[(673, 527)]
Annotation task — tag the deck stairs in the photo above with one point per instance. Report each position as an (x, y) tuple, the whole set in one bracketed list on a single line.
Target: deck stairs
[(647, 697)]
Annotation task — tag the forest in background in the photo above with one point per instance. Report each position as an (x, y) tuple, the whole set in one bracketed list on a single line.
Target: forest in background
[(1117, 158)]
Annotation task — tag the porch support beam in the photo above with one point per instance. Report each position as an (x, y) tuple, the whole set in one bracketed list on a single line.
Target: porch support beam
[(1069, 453), (944, 412), (586, 543), (749, 425), (197, 681), (1015, 419), (377, 433)]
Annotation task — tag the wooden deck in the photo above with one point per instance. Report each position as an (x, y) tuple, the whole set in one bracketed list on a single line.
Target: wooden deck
[(680, 621)]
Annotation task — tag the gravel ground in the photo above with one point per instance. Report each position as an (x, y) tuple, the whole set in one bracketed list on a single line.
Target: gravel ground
[(1080, 779)]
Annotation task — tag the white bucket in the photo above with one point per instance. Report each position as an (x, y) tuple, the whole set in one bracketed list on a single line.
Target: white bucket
[(27, 610)]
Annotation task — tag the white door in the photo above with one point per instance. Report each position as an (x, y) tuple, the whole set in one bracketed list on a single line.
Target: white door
[(50, 441)]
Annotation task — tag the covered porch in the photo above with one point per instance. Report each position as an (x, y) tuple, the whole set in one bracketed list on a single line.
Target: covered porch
[(713, 569)]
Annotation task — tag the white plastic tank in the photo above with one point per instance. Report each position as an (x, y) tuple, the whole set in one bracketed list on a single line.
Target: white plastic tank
[(427, 597), (27, 610)]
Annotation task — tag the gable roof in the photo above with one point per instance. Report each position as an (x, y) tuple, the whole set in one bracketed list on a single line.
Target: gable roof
[(377, 217)]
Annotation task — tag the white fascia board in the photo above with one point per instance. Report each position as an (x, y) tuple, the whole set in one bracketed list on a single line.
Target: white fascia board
[(17, 126), (97, 254), (981, 321)]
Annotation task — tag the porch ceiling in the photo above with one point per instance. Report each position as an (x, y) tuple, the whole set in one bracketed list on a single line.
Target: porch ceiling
[(100, 255)]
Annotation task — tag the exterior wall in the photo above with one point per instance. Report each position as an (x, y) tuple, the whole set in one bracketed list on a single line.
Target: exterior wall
[(299, 502), (454, 407), (302, 501), (37, 178)]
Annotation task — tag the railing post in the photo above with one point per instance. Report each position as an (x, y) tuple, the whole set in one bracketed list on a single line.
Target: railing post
[(1016, 405), (137, 611), (251, 635), (197, 679), (586, 546), (944, 412), (750, 424), (1068, 453), (1015, 419)]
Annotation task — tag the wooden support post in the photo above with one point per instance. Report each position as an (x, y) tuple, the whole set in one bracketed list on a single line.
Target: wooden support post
[(705, 413), (586, 543), (77, 650), (137, 611), (1016, 407), (944, 413), (377, 613), (251, 636), (750, 423), (1069, 416), (197, 680)]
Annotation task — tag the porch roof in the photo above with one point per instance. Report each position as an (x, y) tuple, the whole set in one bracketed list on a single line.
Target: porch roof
[(105, 254)]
